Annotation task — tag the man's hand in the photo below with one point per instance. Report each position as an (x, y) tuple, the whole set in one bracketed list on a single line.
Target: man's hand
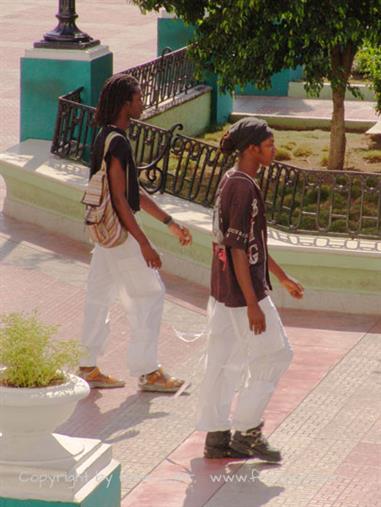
[(294, 288), (185, 237), (257, 319), (150, 255)]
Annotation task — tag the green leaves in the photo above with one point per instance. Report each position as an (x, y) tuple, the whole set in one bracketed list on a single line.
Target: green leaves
[(250, 40), (370, 62), (29, 354)]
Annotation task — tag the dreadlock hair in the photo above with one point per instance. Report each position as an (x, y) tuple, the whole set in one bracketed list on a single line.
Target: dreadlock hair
[(117, 90)]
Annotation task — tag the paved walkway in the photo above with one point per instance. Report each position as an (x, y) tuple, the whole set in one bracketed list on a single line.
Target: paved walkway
[(325, 415)]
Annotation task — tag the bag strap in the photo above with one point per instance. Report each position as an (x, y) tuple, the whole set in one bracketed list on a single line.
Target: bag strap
[(108, 141), (109, 138)]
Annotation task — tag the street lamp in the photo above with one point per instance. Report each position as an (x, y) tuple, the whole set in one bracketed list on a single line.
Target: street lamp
[(66, 35)]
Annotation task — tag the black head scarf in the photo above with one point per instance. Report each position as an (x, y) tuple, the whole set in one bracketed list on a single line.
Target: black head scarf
[(244, 133)]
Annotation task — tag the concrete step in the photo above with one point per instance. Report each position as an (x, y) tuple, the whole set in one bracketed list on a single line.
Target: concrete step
[(375, 131), (296, 89), (294, 113)]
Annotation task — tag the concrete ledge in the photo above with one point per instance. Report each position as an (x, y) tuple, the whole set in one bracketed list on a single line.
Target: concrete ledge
[(44, 189), (288, 122), (338, 274), (296, 89), (82, 55)]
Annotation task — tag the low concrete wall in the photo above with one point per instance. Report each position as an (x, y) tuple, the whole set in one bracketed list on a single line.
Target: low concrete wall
[(288, 122), (296, 89), (338, 275)]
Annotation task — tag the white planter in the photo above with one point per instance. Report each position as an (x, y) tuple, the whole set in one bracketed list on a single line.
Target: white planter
[(28, 417), (36, 463)]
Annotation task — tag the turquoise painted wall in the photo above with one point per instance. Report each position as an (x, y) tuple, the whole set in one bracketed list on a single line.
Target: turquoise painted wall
[(108, 493), (174, 33), (279, 84), (44, 80)]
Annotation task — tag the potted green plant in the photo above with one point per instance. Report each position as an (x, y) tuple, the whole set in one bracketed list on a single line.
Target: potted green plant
[(37, 390)]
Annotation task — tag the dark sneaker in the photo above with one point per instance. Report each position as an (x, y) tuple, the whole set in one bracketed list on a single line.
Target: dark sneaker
[(217, 446), (254, 445)]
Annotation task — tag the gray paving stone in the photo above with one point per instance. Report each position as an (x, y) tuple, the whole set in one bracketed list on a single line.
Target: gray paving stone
[(341, 412)]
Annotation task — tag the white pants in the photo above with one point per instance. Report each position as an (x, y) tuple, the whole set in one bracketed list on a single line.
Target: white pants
[(240, 361), (122, 271)]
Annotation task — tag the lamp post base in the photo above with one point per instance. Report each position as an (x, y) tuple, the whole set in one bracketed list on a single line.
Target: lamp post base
[(66, 35), (61, 44)]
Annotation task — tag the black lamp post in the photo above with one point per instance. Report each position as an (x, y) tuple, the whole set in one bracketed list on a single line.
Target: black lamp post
[(66, 35)]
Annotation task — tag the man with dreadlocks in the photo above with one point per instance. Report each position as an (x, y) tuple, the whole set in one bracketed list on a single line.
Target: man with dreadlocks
[(129, 270)]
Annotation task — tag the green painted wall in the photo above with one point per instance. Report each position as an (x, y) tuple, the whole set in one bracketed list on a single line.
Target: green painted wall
[(174, 33), (194, 115), (44, 80)]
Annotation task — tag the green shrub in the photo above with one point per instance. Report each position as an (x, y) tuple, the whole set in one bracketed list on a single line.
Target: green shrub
[(31, 357), (340, 202), (373, 156), (288, 146), (282, 154), (360, 63), (324, 193), (302, 151), (356, 191), (311, 197), (338, 225), (308, 224), (288, 200)]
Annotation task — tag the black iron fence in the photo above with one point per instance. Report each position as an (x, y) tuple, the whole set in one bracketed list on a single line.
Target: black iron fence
[(299, 200), (75, 133), (344, 203), (165, 77)]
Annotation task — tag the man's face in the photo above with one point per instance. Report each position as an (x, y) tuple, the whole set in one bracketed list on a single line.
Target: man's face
[(266, 151), (135, 107)]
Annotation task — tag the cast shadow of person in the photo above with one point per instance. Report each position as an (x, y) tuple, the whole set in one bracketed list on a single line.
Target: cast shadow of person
[(110, 426), (241, 480)]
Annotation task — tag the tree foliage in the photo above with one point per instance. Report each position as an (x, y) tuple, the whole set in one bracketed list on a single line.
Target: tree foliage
[(249, 40)]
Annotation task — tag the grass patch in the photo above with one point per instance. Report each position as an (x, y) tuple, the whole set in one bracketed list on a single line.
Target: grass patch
[(283, 154), (312, 146), (289, 146), (307, 208), (373, 156), (302, 151)]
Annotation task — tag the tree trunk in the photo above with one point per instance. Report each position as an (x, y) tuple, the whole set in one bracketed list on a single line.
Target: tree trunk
[(341, 64), (338, 139)]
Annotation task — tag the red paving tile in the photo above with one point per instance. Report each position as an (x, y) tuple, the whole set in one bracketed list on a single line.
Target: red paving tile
[(319, 341), (194, 487)]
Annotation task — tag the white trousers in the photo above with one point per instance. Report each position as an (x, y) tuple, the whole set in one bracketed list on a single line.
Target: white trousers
[(122, 271), (238, 361)]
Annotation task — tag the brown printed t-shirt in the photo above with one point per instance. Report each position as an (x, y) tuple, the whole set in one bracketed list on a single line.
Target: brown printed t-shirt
[(239, 222)]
